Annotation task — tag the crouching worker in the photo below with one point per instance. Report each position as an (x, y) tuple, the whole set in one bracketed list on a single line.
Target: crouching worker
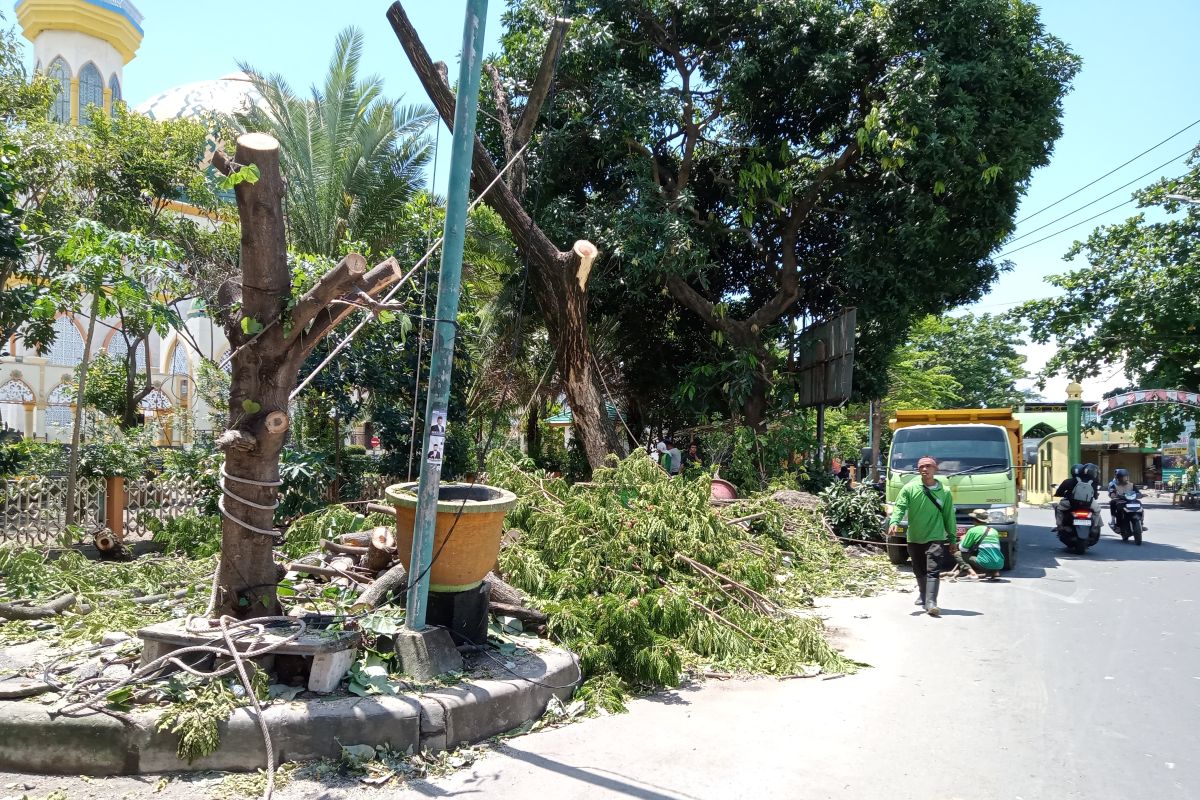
[(979, 551)]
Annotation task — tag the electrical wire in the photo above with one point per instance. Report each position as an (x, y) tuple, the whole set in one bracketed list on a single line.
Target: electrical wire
[(1110, 172), (1101, 197), (1007, 253)]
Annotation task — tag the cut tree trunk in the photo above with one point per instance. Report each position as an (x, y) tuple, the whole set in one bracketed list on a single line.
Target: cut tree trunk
[(382, 549), (559, 278)]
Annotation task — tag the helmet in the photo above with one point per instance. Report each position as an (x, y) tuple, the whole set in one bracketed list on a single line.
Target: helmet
[(1121, 474), (1077, 471), (1091, 472)]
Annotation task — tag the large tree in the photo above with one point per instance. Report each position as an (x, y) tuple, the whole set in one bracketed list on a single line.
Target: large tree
[(1135, 307), (980, 353), (766, 163)]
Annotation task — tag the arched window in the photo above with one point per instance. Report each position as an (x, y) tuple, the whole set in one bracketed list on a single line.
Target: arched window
[(58, 406), (60, 109), (155, 400), (117, 348), (91, 91), (179, 361), (114, 88), (15, 391), (68, 344)]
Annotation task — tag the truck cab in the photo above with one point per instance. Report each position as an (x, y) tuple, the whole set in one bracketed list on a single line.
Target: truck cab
[(979, 460)]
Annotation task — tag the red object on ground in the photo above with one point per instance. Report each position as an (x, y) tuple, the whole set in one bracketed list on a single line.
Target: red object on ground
[(723, 490)]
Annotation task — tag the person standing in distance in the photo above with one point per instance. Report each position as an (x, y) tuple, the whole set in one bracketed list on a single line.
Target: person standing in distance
[(931, 529)]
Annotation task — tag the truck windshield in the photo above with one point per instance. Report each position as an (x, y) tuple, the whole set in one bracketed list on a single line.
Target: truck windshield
[(979, 449)]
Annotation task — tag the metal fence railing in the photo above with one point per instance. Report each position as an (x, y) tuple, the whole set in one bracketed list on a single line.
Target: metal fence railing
[(33, 509)]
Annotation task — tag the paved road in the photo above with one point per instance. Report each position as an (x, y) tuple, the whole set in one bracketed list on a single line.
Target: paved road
[(1078, 677)]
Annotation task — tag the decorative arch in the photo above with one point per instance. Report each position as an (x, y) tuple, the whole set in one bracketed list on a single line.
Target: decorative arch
[(154, 401), (60, 109), (15, 390), (58, 406), (1039, 431), (67, 349), (114, 90), (1147, 397), (178, 363), (116, 347), (91, 91)]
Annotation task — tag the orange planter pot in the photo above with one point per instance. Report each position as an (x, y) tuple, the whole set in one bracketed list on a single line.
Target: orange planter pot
[(470, 522)]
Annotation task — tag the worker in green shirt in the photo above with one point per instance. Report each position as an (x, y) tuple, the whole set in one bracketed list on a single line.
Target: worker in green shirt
[(979, 551), (931, 529)]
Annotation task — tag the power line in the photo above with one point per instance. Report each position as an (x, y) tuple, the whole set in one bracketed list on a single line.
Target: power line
[(1101, 197), (1064, 230), (1111, 171)]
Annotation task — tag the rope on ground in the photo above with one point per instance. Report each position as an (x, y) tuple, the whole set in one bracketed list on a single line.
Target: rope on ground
[(94, 692)]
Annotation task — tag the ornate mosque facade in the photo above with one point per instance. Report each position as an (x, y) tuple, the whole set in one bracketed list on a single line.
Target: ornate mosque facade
[(85, 44)]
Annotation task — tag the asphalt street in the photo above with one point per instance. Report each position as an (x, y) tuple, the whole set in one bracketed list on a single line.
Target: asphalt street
[(1074, 677)]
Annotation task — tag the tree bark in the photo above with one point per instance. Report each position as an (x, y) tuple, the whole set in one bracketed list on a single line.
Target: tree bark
[(559, 285), (266, 364), (263, 375), (77, 423)]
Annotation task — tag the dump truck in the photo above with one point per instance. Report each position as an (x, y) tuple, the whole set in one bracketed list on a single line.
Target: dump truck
[(980, 460)]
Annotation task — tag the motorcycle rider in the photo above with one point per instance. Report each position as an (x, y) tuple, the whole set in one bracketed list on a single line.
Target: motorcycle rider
[(1118, 487), (1081, 490)]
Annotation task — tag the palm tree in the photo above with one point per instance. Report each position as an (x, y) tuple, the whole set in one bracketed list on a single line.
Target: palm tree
[(351, 157)]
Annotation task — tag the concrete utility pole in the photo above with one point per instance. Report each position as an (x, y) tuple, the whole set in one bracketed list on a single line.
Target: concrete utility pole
[(441, 358)]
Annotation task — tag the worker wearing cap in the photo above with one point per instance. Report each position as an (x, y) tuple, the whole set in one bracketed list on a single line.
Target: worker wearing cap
[(931, 529)]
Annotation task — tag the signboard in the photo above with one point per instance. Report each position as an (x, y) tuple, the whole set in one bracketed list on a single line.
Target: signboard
[(825, 361), (1143, 397)]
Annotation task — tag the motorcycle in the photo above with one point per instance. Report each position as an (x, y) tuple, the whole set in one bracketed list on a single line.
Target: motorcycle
[(1079, 530), (1127, 516)]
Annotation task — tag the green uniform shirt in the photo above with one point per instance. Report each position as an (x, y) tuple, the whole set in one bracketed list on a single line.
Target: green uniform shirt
[(925, 522), (987, 541)]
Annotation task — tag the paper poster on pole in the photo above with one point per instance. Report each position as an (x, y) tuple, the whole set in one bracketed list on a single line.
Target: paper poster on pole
[(437, 445), (438, 426)]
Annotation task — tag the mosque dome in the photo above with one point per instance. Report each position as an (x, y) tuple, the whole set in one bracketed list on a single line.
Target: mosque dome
[(228, 94)]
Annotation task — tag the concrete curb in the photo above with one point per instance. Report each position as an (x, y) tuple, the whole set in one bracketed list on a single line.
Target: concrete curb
[(35, 741)]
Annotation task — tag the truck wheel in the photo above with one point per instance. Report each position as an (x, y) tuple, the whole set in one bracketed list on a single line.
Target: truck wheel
[(1009, 549), (1136, 526), (897, 549)]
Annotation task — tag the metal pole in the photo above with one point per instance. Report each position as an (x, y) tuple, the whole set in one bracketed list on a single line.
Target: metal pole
[(821, 435), (441, 357)]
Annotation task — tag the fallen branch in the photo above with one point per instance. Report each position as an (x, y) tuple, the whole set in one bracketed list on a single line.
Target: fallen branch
[(395, 580), (51, 609), (530, 615), (747, 518), (343, 549), (327, 572)]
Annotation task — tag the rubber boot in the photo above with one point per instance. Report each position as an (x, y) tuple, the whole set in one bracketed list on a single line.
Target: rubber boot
[(920, 601), (931, 596)]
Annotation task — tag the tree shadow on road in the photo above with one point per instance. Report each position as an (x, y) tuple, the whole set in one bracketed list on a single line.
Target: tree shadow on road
[(1041, 550)]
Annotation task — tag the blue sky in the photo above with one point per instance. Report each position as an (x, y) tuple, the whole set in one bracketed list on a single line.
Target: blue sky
[(1140, 83)]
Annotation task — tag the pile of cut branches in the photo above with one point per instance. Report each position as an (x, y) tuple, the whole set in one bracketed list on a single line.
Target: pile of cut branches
[(70, 599), (644, 579)]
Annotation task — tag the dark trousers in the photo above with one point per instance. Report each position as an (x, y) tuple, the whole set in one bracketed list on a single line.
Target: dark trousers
[(924, 557)]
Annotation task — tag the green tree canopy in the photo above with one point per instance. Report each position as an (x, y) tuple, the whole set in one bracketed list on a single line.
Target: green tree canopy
[(1136, 305), (771, 162), (979, 353)]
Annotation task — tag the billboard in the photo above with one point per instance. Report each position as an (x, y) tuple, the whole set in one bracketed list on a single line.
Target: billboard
[(824, 370)]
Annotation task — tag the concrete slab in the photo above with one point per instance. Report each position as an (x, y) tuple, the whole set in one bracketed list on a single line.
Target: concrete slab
[(35, 741), (427, 653)]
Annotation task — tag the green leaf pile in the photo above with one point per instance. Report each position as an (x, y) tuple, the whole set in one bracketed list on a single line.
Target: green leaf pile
[(643, 578)]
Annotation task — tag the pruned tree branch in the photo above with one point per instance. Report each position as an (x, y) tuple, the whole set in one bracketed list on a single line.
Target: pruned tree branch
[(540, 89), (378, 279), (332, 284)]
